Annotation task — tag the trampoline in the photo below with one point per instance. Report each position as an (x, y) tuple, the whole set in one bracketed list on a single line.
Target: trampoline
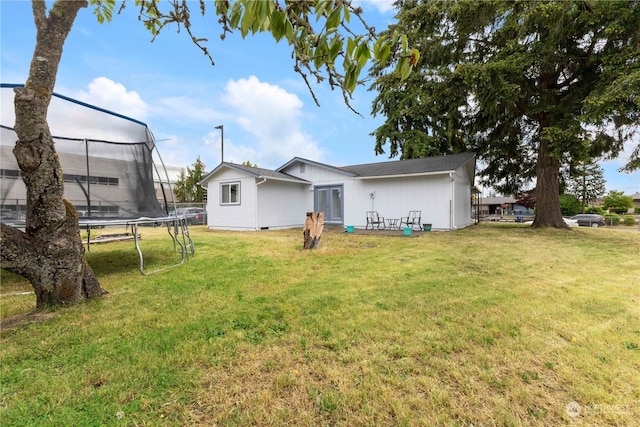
[(113, 173)]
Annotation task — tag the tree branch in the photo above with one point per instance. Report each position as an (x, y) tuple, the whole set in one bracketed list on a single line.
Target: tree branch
[(19, 251), (39, 14)]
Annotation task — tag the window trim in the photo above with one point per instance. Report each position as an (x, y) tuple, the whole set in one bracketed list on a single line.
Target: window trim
[(229, 185)]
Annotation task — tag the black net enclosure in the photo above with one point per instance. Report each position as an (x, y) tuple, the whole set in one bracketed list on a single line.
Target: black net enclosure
[(113, 173), (111, 167)]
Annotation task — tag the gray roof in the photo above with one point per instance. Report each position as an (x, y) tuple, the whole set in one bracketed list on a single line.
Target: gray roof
[(320, 165), (257, 173), (497, 200), (425, 165)]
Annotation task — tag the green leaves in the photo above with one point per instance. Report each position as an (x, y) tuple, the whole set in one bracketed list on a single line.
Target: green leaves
[(103, 9), (318, 31)]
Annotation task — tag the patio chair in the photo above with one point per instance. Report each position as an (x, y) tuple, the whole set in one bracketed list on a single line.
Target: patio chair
[(374, 220), (412, 221)]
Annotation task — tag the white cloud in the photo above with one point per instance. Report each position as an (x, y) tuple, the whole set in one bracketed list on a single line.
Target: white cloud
[(383, 6), (273, 117), (105, 93)]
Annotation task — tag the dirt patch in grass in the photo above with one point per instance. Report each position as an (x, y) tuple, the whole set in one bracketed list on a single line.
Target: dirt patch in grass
[(21, 319)]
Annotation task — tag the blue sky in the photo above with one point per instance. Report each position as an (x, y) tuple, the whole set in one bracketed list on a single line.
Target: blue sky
[(265, 107)]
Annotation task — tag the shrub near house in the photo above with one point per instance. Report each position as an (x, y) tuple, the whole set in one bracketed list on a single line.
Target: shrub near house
[(612, 219), (617, 202)]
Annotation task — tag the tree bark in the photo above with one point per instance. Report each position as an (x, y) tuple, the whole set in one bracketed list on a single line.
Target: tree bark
[(548, 213), (49, 253), (312, 232)]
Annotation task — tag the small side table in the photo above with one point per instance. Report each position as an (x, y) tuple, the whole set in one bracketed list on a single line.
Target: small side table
[(392, 223)]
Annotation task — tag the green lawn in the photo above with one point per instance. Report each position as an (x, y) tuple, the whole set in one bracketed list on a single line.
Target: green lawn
[(496, 324)]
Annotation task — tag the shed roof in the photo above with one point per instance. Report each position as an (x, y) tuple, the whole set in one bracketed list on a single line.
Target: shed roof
[(420, 166), (497, 200), (318, 164), (255, 172)]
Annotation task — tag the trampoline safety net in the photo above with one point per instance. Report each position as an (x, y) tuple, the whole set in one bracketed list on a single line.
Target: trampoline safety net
[(111, 167), (112, 171)]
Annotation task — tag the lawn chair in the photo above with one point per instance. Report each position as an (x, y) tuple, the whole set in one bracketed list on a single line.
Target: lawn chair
[(412, 221), (374, 220)]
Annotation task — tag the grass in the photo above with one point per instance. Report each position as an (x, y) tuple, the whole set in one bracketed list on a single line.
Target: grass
[(492, 325)]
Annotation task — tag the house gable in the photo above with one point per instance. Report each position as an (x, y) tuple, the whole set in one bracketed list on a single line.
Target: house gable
[(313, 171), (258, 173)]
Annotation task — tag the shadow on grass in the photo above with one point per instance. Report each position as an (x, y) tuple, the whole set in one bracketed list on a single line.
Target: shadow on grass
[(117, 261)]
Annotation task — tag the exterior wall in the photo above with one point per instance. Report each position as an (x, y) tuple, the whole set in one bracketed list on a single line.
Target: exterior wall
[(461, 201), (444, 199), (395, 197), (232, 217), (317, 175), (270, 204), (283, 204)]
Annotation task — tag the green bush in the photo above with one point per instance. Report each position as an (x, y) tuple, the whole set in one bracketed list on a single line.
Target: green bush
[(629, 220), (637, 209), (595, 210), (612, 219), (569, 205)]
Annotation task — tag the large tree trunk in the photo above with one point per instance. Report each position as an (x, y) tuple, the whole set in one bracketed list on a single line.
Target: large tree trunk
[(548, 212), (49, 253)]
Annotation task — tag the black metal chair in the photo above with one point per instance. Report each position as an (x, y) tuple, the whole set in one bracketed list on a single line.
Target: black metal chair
[(374, 220), (412, 221)]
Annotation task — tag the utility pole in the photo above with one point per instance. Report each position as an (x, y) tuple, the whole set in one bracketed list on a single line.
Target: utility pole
[(221, 127)]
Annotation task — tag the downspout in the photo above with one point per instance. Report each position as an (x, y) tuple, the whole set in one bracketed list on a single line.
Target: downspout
[(256, 203), (451, 202)]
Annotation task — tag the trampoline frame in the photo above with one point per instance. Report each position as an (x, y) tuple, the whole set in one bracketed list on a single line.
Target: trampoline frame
[(177, 227), (183, 245)]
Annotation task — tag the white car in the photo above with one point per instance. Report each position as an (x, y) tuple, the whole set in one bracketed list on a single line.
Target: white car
[(570, 222)]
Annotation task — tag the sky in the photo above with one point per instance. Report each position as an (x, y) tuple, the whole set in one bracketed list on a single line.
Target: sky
[(266, 109)]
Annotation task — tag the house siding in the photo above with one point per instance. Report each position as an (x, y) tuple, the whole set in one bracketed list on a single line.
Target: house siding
[(443, 197), (232, 217), (395, 197), (462, 201), (283, 204)]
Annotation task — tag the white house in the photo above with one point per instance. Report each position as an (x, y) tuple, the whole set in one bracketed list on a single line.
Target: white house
[(248, 198)]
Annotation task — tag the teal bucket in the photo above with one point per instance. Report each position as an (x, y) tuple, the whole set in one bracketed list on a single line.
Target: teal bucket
[(426, 227), (350, 228), (407, 231)]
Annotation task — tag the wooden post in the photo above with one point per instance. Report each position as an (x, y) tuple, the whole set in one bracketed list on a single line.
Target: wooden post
[(313, 228)]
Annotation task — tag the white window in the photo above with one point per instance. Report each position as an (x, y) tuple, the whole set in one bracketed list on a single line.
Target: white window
[(302, 167), (230, 193)]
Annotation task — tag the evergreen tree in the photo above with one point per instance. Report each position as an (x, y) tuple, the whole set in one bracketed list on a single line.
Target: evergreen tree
[(587, 183), (187, 188), (531, 86)]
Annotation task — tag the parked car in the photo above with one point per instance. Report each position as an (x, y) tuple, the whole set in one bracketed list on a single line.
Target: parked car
[(193, 216), (589, 220)]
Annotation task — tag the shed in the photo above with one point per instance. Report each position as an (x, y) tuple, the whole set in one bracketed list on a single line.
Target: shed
[(249, 198), (244, 198)]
